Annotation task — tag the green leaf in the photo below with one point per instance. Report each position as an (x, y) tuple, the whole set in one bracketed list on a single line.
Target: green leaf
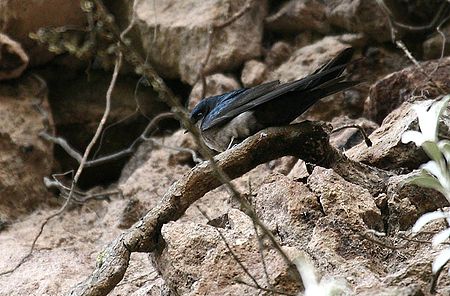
[(432, 150), (423, 179), (444, 146)]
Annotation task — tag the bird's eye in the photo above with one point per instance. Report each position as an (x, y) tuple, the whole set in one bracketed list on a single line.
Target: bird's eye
[(199, 115)]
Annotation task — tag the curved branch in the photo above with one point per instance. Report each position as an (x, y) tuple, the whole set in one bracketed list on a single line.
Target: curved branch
[(306, 140)]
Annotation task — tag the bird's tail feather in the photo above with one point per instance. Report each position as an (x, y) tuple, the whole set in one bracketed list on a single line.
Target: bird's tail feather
[(336, 66)]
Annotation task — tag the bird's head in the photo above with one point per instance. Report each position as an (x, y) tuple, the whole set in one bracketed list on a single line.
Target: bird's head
[(200, 111)]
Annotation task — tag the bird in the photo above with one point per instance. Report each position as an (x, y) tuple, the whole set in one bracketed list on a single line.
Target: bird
[(227, 119)]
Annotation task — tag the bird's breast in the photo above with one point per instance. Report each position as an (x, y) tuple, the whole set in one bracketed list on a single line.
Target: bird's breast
[(240, 127)]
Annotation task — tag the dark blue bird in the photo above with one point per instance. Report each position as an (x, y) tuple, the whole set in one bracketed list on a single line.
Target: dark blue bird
[(227, 119)]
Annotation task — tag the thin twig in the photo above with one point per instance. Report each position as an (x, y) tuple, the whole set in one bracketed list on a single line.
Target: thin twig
[(402, 45), (118, 155), (359, 128), (261, 253), (441, 12)]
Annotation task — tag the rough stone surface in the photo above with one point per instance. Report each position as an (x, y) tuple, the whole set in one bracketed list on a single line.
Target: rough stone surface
[(359, 16), (409, 84), (387, 151), (18, 19), (407, 202), (13, 60), (299, 171), (25, 159), (305, 60), (296, 16), (253, 73), (195, 260), (75, 238), (288, 208), (343, 199), (175, 35), (216, 84), (278, 53)]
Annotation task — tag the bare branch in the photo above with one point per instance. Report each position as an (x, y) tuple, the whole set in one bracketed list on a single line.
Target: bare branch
[(307, 140), (121, 154)]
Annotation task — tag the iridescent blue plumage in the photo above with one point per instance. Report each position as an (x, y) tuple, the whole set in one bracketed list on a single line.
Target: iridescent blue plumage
[(219, 103), (229, 118)]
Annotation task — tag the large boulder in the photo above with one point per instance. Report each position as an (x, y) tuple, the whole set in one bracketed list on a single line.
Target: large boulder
[(20, 18), (387, 151), (299, 15), (363, 16), (409, 84), (25, 158), (196, 259), (174, 33)]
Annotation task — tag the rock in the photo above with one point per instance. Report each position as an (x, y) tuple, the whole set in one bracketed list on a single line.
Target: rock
[(409, 84), (387, 151), (78, 103), (299, 171), (19, 19), (299, 15), (131, 213), (349, 137), (410, 290), (288, 208), (195, 257), (363, 16), (407, 202), (13, 60), (432, 47), (175, 35), (150, 173), (375, 63), (216, 84), (336, 244), (304, 61), (278, 53), (25, 158), (340, 252), (282, 165), (253, 73), (343, 199)]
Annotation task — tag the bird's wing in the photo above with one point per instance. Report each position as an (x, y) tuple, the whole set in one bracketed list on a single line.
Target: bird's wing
[(220, 113), (275, 90)]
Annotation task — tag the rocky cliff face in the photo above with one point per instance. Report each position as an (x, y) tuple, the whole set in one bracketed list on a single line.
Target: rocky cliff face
[(56, 61)]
